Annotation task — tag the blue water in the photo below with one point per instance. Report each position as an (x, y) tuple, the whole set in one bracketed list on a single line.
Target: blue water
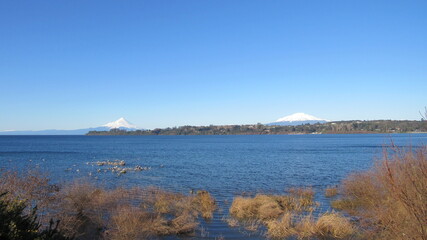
[(224, 165)]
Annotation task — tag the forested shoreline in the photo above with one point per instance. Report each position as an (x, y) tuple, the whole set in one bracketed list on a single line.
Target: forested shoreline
[(339, 127)]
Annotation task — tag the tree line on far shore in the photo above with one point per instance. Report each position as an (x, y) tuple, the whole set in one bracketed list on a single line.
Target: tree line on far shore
[(339, 127)]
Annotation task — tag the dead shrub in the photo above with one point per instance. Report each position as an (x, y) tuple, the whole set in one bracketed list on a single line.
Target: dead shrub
[(90, 212), (391, 198), (32, 186), (134, 223), (84, 209), (131, 223), (87, 211)]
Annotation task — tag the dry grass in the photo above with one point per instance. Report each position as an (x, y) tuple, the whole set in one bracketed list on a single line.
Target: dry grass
[(333, 225), (252, 225), (87, 211), (205, 204), (290, 216), (266, 207), (281, 228), (262, 207), (163, 202), (306, 227), (391, 198), (331, 192), (327, 226), (304, 196), (232, 222), (134, 223)]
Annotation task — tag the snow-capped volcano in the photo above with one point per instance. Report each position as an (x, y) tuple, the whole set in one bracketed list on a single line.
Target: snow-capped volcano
[(298, 119), (120, 123)]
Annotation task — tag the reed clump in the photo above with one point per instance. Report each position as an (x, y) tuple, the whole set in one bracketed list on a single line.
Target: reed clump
[(331, 192), (303, 196), (333, 225), (305, 228), (265, 207), (205, 204), (391, 198), (281, 228), (290, 215), (163, 202), (329, 225)]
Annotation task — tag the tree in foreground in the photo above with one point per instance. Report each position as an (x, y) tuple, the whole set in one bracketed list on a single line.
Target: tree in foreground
[(17, 225)]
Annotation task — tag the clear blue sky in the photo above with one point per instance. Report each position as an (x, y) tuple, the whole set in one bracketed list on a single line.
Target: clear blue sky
[(77, 64)]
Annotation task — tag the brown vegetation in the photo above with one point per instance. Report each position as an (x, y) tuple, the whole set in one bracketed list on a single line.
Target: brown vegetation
[(391, 198), (32, 187), (265, 207), (333, 225), (86, 211), (389, 201), (331, 192), (327, 226), (132, 213), (289, 215), (281, 228)]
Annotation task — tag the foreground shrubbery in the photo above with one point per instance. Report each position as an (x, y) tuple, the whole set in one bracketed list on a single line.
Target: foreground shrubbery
[(390, 199), (388, 202), (89, 212)]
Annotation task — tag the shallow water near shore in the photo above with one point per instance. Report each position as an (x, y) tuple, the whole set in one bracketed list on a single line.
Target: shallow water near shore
[(225, 166)]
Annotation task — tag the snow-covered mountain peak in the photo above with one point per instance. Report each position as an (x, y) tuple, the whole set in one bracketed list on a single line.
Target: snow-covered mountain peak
[(299, 117), (120, 123)]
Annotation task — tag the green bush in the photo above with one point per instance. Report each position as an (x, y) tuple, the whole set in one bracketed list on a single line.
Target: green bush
[(14, 224)]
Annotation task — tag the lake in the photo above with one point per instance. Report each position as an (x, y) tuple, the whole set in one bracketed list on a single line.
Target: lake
[(225, 166)]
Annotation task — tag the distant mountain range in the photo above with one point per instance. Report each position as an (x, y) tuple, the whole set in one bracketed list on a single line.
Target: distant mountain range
[(121, 123), (297, 119)]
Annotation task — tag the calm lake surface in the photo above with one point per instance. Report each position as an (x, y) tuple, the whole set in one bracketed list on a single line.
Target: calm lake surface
[(226, 166)]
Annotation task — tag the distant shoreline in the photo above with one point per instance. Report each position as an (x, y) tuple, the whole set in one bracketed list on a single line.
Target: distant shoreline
[(340, 127)]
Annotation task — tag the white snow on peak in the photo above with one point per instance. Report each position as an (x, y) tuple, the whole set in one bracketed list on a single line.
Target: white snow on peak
[(120, 123), (298, 117)]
